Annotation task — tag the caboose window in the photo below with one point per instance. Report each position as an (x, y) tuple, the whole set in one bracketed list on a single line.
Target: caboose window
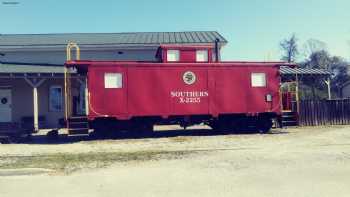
[(113, 80), (258, 80), (202, 56), (173, 55)]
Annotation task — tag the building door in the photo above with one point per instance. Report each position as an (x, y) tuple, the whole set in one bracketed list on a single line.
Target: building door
[(5, 105)]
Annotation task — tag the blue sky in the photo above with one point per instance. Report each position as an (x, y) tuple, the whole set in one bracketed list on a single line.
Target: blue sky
[(253, 28)]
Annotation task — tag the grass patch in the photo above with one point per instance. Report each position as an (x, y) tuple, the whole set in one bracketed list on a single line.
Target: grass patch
[(68, 163), (181, 139)]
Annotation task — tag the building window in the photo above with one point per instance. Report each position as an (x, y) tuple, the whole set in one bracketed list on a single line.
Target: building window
[(55, 99), (202, 55), (258, 80), (173, 55), (113, 80)]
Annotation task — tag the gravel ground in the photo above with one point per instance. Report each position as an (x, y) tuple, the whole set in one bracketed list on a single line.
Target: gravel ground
[(310, 161)]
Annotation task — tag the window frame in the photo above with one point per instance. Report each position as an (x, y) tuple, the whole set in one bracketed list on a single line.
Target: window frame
[(252, 82), (119, 83), (206, 52), (177, 55), (51, 106)]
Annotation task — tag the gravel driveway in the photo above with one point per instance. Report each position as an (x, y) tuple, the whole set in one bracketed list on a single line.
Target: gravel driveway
[(310, 161)]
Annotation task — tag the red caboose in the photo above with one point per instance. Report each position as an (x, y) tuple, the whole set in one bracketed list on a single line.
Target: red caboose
[(187, 86)]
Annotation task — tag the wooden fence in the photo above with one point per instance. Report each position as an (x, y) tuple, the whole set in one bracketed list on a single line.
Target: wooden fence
[(324, 112)]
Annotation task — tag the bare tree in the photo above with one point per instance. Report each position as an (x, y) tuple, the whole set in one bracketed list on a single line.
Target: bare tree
[(289, 48), (312, 46), (349, 47)]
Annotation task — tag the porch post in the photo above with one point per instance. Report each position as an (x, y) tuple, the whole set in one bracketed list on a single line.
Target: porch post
[(297, 92), (35, 83), (36, 108), (86, 98), (328, 82)]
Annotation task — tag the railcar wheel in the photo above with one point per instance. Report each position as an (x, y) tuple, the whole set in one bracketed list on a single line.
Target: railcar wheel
[(264, 125)]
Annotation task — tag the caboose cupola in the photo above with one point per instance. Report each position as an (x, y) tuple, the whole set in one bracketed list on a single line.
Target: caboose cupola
[(187, 53)]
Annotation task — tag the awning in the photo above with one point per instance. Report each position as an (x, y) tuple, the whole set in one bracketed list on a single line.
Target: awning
[(31, 70), (285, 70)]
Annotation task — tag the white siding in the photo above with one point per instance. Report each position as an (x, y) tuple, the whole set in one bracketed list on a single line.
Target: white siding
[(59, 57)]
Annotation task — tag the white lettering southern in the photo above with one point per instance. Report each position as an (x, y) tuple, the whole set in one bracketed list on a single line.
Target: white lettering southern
[(189, 96)]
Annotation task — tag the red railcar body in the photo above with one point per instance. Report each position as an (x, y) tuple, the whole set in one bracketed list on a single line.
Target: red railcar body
[(181, 91), (188, 84)]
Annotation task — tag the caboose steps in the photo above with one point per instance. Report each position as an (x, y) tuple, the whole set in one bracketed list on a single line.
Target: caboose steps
[(80, 131), (78, 125), (78, 119), (289, 119)]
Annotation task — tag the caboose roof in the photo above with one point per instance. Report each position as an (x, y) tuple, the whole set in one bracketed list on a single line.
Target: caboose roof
[(109, 39)]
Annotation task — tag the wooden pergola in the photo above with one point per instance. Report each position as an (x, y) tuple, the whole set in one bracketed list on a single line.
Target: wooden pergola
[(295, 75)]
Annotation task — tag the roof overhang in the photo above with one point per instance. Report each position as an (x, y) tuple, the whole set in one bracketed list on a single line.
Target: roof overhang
[(288, 71), (32, 48), (29, 70), (101, 47)]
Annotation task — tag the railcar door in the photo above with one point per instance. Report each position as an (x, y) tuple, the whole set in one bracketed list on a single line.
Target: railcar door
[(108, 87), (264, 83), (228, 90)]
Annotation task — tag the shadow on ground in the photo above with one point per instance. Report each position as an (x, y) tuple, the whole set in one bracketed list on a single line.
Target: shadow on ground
[(65, 139)]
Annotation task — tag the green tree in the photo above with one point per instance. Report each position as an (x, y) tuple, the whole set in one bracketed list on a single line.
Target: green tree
[(336, 65), (339, 68)]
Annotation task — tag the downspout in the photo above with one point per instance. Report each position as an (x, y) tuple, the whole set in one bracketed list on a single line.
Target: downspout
[(217, 40)]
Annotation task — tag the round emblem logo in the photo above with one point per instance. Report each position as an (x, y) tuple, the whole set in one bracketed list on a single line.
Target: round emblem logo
[(189, 77)]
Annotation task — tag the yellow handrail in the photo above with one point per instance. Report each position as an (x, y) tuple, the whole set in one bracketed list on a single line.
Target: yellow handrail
[(69, 47), (67, 84)]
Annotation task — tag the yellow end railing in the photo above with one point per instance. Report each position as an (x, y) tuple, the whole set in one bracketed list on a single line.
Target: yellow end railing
[(67, 81)]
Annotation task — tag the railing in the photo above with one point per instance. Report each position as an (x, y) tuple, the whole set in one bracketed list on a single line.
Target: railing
[(67, 80), (324, 112)]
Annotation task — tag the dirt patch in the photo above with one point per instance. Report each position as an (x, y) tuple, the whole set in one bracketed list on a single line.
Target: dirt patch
[(304, 161), (68, 163)]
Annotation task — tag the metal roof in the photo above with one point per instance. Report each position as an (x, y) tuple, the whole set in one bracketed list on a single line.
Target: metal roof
[(285, 70), (136, 38), (30, 69)]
